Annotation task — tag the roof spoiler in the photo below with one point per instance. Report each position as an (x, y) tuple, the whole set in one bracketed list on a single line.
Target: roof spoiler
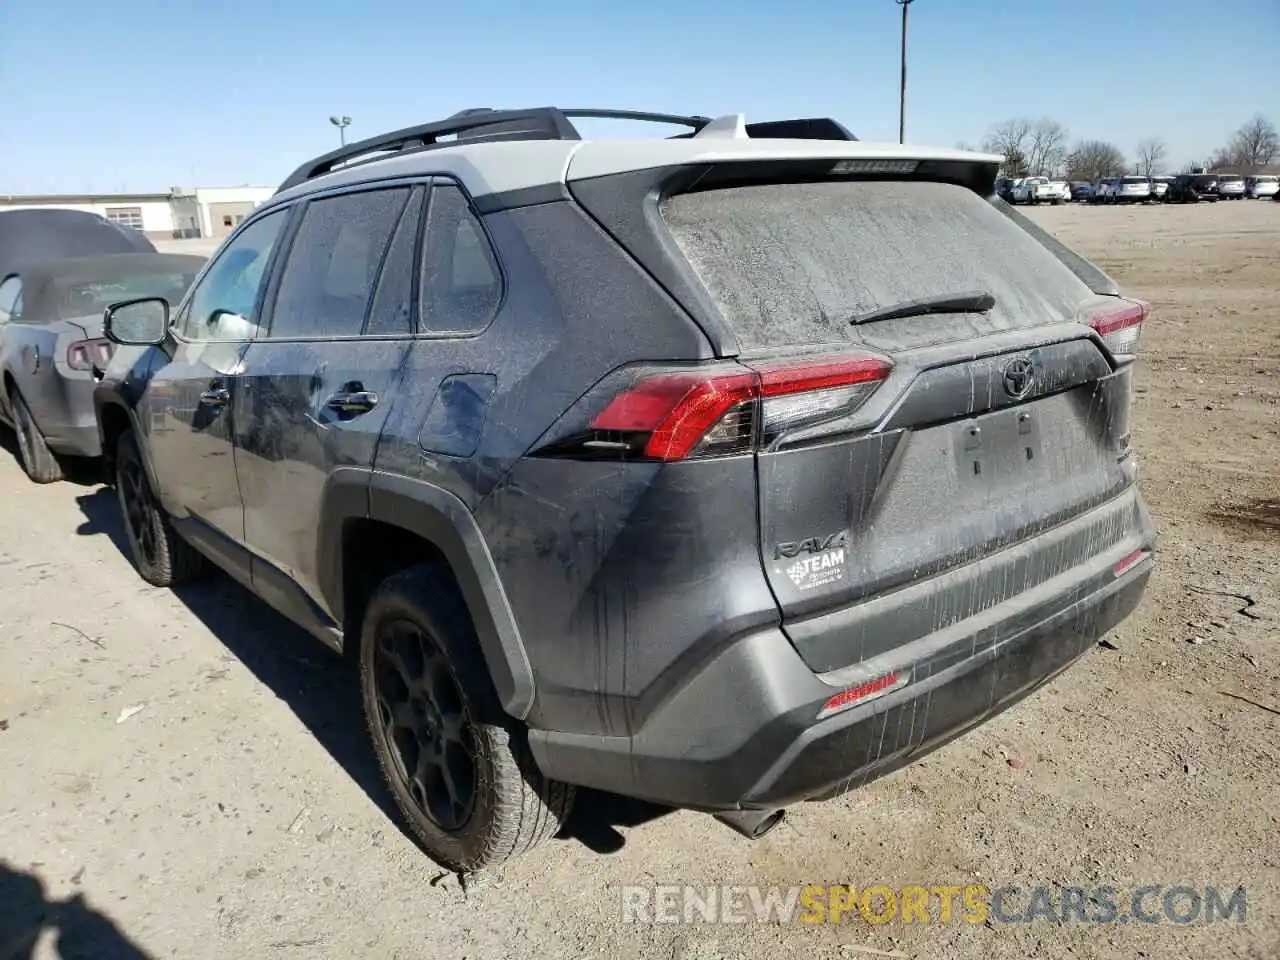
[(545, 123)]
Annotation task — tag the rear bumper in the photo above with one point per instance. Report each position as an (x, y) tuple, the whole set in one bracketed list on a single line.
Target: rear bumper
[(67, 418), (76, 441), (741, 732)]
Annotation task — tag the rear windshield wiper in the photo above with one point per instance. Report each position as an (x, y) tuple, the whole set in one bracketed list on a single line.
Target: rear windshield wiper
[(971, 301)]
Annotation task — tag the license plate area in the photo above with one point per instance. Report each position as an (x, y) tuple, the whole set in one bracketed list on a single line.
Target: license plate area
[(999, 450)]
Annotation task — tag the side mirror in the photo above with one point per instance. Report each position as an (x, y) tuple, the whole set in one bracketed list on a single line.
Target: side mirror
[(137, 323)]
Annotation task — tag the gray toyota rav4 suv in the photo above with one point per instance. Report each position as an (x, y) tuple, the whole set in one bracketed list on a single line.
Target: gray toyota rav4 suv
[(727, 470)]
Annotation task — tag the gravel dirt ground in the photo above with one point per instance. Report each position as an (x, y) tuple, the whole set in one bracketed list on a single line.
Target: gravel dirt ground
[(185, 775)]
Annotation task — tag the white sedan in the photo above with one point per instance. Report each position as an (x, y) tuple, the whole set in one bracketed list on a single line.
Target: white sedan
[(1126, 190), (1262, 187)]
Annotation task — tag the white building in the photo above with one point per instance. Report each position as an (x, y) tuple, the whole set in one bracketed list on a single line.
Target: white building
[(181, 212)]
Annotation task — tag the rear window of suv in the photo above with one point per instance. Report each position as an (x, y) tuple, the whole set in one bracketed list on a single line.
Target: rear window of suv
[(792, 263)]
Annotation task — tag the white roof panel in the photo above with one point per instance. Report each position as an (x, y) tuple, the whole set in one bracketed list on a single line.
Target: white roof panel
[(483, 167), (501, 166)]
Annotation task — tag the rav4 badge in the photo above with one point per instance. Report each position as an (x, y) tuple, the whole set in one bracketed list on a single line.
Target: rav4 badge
[(818, 561)]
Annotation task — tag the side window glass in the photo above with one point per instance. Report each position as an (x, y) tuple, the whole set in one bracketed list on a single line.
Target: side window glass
[(222, 306), (329, 275), (10, 299), (392, 313), (461, 282)]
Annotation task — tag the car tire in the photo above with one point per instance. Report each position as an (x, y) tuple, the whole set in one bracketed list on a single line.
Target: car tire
[(161, 556), (38, 461), (475, 797)]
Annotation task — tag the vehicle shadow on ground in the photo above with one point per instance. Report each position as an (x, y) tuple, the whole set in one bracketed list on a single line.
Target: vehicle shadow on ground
[(322, 690), (27, 912)]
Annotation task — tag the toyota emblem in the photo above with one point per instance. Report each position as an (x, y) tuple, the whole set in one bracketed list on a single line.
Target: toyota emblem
[(1019, 376)]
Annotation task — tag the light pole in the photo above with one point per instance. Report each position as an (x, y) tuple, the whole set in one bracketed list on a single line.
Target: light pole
[(902, 93), (343, 122)]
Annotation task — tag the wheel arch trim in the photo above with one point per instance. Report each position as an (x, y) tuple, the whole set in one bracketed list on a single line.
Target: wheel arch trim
[(104, 399), (444, 520)]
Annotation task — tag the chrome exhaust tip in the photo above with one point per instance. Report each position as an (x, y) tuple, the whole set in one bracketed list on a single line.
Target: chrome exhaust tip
[(752, 824)]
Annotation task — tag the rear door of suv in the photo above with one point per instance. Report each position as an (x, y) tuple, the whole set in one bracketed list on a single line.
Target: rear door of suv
[(317, 386), (893, 449)]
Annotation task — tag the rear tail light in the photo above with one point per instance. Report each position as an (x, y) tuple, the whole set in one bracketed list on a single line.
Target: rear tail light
[(675, 416), (87, 354), (1121, 326)]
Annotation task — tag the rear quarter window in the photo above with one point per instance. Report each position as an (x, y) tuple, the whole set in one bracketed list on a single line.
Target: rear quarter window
[(461, 280), (790, 264)]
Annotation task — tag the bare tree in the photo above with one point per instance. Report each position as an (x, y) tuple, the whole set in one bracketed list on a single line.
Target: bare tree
[(1255, 144), (1151, 156), (1047, 151), (1009, 139), (1094, 160), (966, 145), (1223, 159)]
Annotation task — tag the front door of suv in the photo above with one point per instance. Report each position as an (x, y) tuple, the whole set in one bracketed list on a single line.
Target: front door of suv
[(187, 407), (320, 381)]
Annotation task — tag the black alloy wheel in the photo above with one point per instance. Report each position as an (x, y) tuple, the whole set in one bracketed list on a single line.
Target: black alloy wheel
[(139, 507), (424, 724)]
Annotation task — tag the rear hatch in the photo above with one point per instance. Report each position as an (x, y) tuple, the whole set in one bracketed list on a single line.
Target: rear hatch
[(891, 450)]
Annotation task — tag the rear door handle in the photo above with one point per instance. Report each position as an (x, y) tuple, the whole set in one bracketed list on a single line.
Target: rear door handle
[(352, 402), (215, 396)]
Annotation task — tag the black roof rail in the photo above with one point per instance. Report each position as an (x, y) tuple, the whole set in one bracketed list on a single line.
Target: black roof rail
[(546, 123), (539, 123)]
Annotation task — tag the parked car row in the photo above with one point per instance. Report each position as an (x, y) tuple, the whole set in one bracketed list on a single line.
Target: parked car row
[(1182, 188), (59, 270), (645, 467), (1034, 190)]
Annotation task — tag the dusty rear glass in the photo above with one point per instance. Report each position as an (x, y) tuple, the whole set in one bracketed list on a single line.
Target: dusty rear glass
[(792, 263), (83, 298)]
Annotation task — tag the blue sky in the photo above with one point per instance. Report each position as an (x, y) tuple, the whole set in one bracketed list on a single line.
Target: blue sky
[(144, 95)]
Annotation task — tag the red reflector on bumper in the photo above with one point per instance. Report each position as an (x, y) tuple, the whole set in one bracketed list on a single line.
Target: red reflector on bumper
[(852, 695), (1129, 562)]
